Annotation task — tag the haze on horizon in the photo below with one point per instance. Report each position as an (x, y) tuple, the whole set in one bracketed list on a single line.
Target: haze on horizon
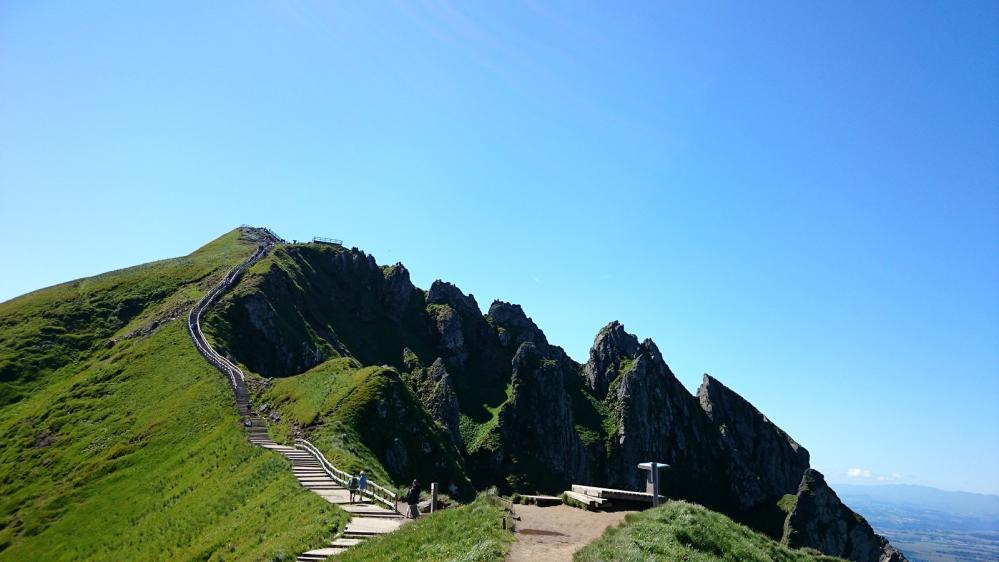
[(802, 201)]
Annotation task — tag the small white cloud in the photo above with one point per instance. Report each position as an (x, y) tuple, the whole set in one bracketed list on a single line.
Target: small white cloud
[(864, 473)]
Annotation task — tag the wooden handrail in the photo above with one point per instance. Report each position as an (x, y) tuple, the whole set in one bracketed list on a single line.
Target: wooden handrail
[(237, 380), (378, 493)]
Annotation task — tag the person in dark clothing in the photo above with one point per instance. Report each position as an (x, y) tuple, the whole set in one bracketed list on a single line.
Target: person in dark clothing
[(352, 485), (413, 500)]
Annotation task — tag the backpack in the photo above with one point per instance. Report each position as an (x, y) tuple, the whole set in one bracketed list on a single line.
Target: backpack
[(352, 483)]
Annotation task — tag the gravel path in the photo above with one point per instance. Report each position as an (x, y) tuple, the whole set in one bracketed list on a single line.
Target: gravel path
[(554, 534)]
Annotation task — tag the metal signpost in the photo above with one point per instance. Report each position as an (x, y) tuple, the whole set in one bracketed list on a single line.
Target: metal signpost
[(652, 480)]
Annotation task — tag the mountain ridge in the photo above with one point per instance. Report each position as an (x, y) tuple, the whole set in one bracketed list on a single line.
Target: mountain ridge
[(530, 417), (347, 352)]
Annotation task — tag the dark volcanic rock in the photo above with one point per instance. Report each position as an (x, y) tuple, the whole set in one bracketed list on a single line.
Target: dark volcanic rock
[(515, 327), (657, 419), (442, 292), (611, 345), (468, 344), (434, 389), (766, 463), (821, 521), (537, 425), (519, 412), (400, 293), (450, 335)]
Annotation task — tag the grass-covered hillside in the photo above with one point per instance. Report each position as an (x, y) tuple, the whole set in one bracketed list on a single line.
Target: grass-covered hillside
[(366, 418), (121, 443), (684, 531), (51, 328)]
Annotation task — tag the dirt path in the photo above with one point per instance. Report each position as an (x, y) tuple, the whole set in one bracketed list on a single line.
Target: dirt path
[(553, 534)]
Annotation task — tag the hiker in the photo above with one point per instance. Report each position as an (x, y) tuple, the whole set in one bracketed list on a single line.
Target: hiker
[(362, 485), (413, 499), (352, 486)]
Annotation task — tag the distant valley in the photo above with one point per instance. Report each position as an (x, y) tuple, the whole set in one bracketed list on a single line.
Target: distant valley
[(928, 524)]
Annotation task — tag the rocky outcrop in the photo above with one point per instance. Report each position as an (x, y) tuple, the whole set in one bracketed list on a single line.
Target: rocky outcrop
[(537, 425), (522, 414), (433, 387), (764, 464), (400, 295), (442, 292), (514, 327), (772, 454), (654, 418), (469, 345), (610, 347), (450, 335), (821, 521), (397, 428)]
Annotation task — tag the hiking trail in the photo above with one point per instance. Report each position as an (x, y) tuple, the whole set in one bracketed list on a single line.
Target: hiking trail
[(376, 514)]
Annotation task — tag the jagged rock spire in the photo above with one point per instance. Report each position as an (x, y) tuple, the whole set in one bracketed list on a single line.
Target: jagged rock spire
[(514, 326), (766, 449), (611, 345)]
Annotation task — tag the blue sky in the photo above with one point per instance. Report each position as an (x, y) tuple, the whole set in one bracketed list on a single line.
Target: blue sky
[(799, 198)]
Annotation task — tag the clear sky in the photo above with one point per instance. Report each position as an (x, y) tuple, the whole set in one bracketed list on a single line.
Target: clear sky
[(799, 198)]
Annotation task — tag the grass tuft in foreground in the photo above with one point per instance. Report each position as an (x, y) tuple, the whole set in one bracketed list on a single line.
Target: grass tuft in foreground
[(470, 533), (685, 531)]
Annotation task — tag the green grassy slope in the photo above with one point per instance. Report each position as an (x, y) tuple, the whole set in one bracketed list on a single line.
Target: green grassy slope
[(58, 326), (134, 451), (470, 533), (366, 418), (684, 531)]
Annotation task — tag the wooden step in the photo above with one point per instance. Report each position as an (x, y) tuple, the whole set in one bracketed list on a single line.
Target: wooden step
[(345, 543), (541, 500), (588, 501), (383, 514), (359, 535), (613, 493)]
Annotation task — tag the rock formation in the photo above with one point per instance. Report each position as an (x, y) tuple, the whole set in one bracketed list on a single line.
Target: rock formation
[(611, 345), (819, 520), (434, 389), (520, 412), (537, 425)]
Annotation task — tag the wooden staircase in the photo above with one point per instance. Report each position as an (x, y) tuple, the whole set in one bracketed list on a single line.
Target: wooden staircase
[(311, 469), (368, 519)]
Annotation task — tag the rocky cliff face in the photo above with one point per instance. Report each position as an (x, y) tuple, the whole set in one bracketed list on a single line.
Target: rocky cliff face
[(611, 346), (651, 417), (536, 424), (522, 413), (767, 449), (819, 520), (764, 463), (433, 387)]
